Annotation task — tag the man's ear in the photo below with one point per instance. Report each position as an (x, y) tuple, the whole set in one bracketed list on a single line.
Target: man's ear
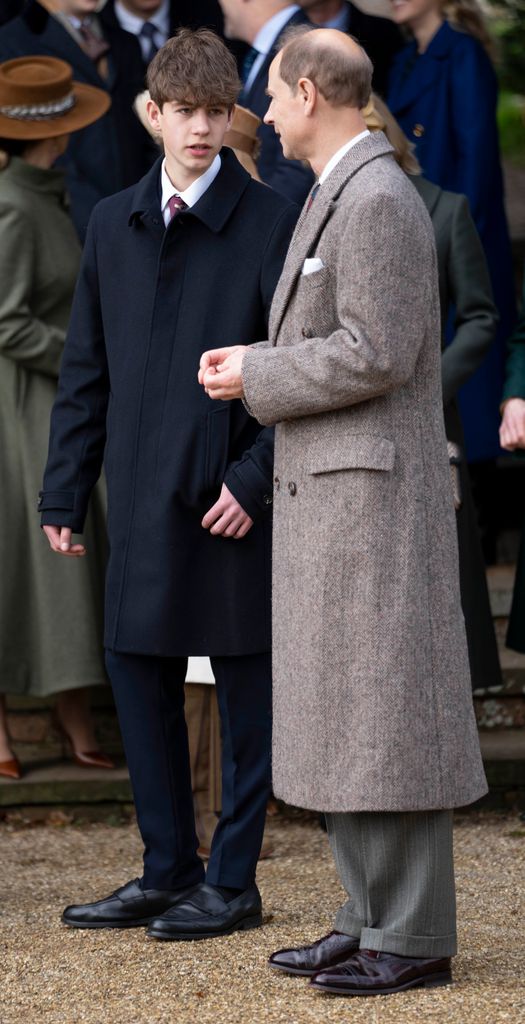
[(154, 112), (307, 92)]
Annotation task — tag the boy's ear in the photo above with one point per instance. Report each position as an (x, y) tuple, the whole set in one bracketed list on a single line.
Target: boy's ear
[(153, 113)]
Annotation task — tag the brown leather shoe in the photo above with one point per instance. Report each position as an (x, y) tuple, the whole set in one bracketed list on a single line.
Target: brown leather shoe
[(370, 973), (11, 769), (307, 960)]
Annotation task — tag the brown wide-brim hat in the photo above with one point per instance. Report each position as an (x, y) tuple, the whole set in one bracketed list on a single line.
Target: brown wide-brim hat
[(40, 100)]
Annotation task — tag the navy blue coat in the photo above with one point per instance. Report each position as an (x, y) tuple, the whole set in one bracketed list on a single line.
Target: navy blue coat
[(445, 101), (149, 301), (115, 151)]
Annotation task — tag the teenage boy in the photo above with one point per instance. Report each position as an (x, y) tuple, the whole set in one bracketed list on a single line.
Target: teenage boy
[(185, 259)]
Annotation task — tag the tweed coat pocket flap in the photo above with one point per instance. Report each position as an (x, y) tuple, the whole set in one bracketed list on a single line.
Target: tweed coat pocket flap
[(359, 451)]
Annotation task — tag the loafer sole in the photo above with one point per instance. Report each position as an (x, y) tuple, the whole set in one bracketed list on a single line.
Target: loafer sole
[(432, 981), (243, 925), (142, 922), (294, 970)]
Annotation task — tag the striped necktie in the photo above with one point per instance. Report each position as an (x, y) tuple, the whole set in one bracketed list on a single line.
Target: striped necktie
[(248, 63), (147, 32)]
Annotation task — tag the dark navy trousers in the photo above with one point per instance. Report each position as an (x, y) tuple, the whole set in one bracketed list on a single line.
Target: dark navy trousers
[(149, 695)]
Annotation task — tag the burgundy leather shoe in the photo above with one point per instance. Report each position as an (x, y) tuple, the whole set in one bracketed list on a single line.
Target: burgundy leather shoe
[(370, 973), (307, 960)]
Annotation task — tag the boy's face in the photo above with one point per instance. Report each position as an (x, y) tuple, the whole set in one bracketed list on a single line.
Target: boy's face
[(192, 136)]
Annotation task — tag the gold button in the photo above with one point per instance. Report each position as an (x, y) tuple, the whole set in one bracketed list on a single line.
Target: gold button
[(418, 130)]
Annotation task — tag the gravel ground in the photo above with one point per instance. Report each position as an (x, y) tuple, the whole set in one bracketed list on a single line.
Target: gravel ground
[(55, 975)]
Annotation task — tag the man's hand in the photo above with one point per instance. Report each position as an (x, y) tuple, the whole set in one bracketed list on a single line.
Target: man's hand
[(220, 372), (512, 429), (59, 538), (227, 518)]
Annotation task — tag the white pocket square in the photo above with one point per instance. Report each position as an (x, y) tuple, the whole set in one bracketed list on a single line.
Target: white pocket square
[(310, 266)]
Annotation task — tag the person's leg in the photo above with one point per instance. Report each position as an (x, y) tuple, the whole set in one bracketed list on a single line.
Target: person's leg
[(243, 687), (149, 695), (6, 750), (399, 870)]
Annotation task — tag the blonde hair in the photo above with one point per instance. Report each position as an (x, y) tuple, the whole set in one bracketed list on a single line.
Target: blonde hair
[(378, 118), (468, 16)]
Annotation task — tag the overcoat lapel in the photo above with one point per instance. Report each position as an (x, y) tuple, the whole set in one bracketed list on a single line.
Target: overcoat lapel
[(407, 88), (312, 221)]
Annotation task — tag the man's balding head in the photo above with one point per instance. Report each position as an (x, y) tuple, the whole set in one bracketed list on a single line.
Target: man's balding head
[(334, 62)]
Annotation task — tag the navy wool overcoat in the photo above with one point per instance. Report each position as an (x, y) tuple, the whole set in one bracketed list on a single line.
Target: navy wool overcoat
[(149, 301)]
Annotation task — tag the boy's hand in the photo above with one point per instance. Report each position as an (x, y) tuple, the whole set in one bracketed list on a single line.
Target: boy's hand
[(59, 538), (512, 429), (220, 372), (227, 518)]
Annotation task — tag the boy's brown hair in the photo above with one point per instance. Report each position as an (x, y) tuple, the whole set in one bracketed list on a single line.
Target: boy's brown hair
[(195, 68)]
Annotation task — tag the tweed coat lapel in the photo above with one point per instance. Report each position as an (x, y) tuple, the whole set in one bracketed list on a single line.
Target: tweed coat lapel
[(312, 221)]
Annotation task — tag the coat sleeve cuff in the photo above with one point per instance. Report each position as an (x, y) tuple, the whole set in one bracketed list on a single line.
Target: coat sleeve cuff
[(250, 488), (57, 508)]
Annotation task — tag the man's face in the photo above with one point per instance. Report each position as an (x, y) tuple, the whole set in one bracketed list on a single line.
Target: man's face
[(78, 8), (285, 113), (142, 8), (192, 136), (233, 11)]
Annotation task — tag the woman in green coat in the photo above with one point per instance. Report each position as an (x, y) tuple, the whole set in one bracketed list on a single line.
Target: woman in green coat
[(50, 608), (512, 437), (465, 284)]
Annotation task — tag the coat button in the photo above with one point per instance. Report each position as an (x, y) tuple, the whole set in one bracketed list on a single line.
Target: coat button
[(267, 498), (39, 502), (277, 483), (292, 488), (418, 130), (304, 332)]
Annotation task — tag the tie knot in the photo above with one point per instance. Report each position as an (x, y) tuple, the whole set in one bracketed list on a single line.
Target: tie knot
[(148, 30), (176, 205)]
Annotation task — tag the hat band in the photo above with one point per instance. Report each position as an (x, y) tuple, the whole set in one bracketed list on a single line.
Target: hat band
[(40, 111)]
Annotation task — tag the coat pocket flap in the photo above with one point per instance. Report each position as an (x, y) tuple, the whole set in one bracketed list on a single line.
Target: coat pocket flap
[(359, 451)]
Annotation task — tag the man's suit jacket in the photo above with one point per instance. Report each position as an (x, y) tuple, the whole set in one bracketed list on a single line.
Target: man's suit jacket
[(369, 643), (113, 152), (289, 177)]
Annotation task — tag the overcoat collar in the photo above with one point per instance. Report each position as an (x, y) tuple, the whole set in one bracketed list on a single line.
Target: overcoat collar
[(422, 70), (214, 208), (312, 221), (60, 43)]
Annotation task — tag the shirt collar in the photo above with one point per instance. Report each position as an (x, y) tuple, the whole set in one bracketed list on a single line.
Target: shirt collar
[(131, 23), (267, 35), (340, 154), (340, 21), (193, 193)]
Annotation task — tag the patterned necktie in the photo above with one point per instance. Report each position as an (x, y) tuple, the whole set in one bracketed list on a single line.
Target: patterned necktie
[(147, 32), (94, 46), (248, 63), (312, 195), (176, 205)]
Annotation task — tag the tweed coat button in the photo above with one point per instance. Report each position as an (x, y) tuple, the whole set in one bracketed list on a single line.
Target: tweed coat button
[(418, 130), (304, 332), (277, 483), (292, 488)]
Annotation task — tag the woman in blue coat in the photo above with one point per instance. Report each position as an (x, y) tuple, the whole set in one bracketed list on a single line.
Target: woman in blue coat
[(443, 92)]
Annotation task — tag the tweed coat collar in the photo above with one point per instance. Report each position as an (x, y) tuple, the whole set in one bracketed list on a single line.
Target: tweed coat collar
[(312, 221)]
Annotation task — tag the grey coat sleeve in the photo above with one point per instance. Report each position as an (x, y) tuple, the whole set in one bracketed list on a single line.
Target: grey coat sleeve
[(470, 291), (380, 308)]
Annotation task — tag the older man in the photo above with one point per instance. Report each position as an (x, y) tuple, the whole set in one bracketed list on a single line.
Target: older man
[(373, 718)]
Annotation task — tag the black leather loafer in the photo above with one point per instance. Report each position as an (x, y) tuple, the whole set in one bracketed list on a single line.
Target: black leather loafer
[(370, 973), (127, 907), (307, 960), (205, 914)]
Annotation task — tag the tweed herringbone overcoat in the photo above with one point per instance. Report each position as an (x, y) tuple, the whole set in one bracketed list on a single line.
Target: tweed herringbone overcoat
[(372, 710)]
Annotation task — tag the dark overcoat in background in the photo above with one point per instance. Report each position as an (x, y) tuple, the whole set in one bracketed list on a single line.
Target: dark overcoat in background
[(291, 178), (515, 388), (149, 302), (115, 151), (445, 101), (464, 283)]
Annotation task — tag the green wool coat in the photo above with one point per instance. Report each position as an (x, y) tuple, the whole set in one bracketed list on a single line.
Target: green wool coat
[(50, 607), (515, 388)]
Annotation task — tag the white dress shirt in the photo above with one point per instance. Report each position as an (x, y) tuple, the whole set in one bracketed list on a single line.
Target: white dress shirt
[(131, 23), (265, 39), (340, 154), (192, 194)]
